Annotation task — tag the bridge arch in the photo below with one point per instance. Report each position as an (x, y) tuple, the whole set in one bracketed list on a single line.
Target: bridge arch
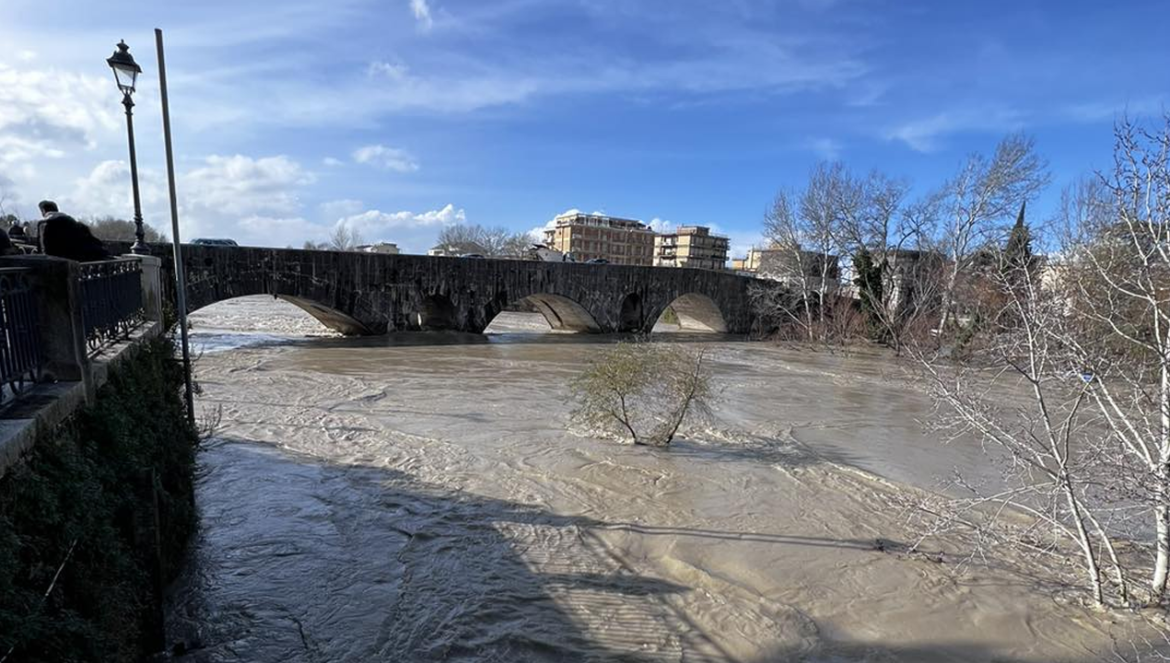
[(697, 312), (631, 317), (329, 317), (560, 312), (435, 311)]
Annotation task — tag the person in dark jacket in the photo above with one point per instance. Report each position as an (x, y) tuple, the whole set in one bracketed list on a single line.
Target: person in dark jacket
[(6, 246), (65, 237)]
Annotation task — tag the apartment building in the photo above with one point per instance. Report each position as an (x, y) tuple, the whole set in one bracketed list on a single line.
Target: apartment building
[(796, 268), (594, 236), (691, 246)]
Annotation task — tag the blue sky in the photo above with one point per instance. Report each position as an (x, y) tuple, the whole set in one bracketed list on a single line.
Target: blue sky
[(400, 116)]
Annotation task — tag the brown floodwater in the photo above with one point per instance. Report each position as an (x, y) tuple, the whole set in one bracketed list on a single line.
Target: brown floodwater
[(421, 497)]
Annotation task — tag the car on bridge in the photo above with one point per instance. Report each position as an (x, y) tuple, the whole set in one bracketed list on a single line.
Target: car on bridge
[(597, 261), (208, 241)]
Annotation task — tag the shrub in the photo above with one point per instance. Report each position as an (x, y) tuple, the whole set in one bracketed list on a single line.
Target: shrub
[(642, 391), (78, 501)]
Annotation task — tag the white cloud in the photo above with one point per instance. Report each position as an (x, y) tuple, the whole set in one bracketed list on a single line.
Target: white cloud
[(827, 148), (47, 113), (393, 70), (660, 225), (740, 242), (412, 232), (332, 162), (255, 201), (242, 185), (537, 233), (389, 158), (106, 191), (924, 135), (335, 209), (378, 221), (422, 14)]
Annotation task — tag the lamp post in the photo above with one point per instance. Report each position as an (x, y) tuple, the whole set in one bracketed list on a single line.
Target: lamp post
[(126, 70)]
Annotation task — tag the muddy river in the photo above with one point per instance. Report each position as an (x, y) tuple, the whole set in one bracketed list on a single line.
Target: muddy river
[(420, 497)]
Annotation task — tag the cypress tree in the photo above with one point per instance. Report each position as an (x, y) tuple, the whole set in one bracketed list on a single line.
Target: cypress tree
[(868, 280), (1018, 252)]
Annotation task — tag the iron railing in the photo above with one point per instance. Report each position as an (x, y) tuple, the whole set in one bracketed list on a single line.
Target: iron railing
[(20, 343), (111, 299)]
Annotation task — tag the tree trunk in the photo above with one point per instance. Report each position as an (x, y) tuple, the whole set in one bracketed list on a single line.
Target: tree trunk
[(1091, 567), (1162, 561), (948, 299), (1162, 509)]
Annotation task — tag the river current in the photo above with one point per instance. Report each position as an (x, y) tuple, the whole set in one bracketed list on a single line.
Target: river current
[(421, 497)]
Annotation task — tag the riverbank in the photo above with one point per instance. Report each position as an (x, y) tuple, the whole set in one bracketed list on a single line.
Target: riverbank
[(78, 518), (419, 497)]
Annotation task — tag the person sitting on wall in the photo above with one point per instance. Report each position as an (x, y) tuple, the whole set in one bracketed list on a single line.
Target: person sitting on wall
[(65, 237)]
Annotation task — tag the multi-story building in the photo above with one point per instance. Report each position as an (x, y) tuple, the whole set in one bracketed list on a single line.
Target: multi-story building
[(750, 263), (794, 267), (593, 236), (456, 249), (388, 248), (691, 246)]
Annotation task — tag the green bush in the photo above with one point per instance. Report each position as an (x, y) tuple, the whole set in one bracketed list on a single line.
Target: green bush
[(85, 486), (642, 391)]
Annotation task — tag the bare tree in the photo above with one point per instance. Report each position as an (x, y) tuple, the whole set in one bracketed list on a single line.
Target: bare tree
[(821, 230), (496, 242), (868, 210), (112, 229), (6, 200), (642, 391), (794, 266), (1117, 269), (1045, 444), (1087, 450), (344, 238), (977, 202)]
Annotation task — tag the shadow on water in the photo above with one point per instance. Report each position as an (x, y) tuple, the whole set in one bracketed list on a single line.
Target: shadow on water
[(444, 338), (299, 559), (935, 652), (756, 449), (220, 341)]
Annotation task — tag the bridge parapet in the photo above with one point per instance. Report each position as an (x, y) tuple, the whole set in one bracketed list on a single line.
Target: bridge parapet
[(370, 293)]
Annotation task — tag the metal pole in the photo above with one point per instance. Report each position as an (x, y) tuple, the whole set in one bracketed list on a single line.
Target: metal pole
[(180, 273), (139, 247)]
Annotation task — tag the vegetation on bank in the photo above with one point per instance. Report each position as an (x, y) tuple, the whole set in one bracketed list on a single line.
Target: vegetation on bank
[(76, 520), (1076, 341)]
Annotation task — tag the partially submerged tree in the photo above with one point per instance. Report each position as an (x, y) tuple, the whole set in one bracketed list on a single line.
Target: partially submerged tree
[(1086, 444), (642, 391)]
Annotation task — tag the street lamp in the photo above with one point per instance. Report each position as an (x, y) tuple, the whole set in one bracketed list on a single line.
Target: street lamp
[(126, 71)]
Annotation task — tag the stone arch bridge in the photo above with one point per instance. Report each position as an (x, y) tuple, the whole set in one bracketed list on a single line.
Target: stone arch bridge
[(370, 293)]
